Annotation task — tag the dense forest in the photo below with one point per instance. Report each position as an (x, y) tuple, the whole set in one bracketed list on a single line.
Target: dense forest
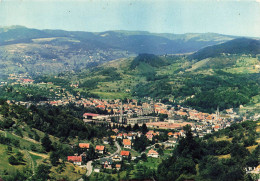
[(223, 90)]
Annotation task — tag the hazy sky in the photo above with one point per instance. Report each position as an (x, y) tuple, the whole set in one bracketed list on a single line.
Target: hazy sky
[(176, 16)]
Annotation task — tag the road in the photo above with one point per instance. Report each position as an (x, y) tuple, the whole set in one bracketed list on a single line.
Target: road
[(117, 151), (89, 163), (89, 168)]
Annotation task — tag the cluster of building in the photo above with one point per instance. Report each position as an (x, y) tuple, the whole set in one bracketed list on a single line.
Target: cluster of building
[(80, 159), (133, 112), (108, 162)]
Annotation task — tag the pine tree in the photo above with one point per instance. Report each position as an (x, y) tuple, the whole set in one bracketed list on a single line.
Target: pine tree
[(46, 143)]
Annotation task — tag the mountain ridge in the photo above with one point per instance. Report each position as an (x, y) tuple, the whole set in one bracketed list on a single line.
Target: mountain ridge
[(27, 50), (235, 46)]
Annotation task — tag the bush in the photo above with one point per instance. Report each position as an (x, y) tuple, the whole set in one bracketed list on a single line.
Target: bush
[(13, 161)]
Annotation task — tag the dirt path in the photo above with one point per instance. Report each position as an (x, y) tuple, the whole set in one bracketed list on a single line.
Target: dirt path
[(39, 154)]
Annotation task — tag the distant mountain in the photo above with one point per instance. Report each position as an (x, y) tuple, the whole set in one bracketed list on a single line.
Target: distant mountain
[(160, 43), (19, 34), (236, 46), (133, 41), (26, 50)]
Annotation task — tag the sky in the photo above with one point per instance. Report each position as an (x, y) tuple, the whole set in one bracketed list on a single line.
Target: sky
[(237, 17)]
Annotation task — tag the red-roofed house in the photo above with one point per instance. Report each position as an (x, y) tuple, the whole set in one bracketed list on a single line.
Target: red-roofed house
[(84, 145), (170, 134), (28, 81), (149, 137), (153, 153), (77, 160), (100, 149), (90, 116), (216, 127), (125, 154), (118, 166), (127, 143), (106, 162), (115, 130), (182, 133), (119, 136), (176, 135), (101, 107)]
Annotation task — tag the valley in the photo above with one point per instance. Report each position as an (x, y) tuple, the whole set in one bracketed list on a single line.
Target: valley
[(120, 105)]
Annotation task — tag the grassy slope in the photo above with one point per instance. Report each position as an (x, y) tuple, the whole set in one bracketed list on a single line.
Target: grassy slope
[(33, 159), (70, 172), (5, 165)]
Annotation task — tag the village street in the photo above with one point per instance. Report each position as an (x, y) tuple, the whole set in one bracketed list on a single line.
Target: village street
[(89, 168)]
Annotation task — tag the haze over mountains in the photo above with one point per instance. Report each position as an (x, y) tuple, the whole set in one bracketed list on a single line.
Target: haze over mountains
[(30, 50), (132, 41)]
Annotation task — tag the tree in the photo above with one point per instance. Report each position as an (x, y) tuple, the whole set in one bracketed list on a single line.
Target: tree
[(143, 172), (91, 154), (110, 140), (211, 168), (144, 129), (188, 146), (13, 161), (54, 158), (46, 143), (9, 149), (128, 128), (42, 172), (162, 117), (239, 152), (144, 157), (17, 175), (33, 147), (136, 127), (36, 137), (120, 142), (160, 151), (8, 122), (140, 143), (250, 141), (174, 167), (85, 178), (19, 156)]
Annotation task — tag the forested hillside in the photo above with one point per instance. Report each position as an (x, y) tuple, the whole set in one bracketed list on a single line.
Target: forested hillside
[(223, 155), (36, 141), (224, 81), (236, 46)]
